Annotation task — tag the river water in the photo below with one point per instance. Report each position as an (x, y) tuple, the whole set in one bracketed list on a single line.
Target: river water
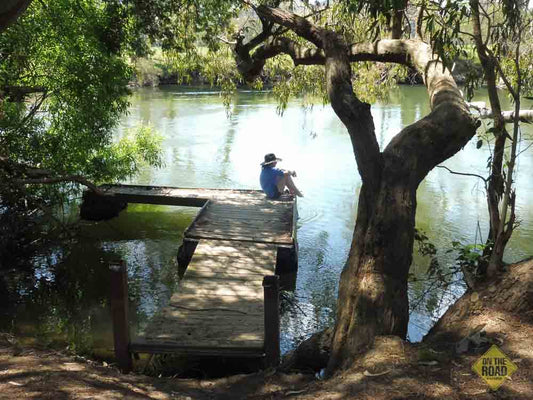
[(63, 298)]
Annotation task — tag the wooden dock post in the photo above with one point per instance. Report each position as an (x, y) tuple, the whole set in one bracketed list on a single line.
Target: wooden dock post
[(272, 340), (185, 253), (119, 312)]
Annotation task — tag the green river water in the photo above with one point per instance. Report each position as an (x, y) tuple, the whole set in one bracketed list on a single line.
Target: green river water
[(63, 298)]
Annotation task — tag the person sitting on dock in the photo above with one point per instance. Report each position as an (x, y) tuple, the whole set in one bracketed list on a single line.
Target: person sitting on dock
[(274, 180)]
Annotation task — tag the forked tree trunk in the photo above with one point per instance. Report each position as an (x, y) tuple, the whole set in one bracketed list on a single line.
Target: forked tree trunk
[(373, 287), (373, 297)]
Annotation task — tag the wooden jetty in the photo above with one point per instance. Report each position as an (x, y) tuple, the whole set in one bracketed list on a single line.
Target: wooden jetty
[(227, 301)]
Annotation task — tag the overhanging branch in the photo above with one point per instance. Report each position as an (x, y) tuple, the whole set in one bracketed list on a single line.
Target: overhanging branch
[(59, 179), (485, 180), (508, 116), (24, 174), (299, 25)]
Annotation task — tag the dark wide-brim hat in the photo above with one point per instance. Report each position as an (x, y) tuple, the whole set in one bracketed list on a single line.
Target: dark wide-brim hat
[(270, 158)]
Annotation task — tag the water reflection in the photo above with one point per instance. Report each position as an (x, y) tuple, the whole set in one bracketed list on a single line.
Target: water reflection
[(68, 286), (61, 297)]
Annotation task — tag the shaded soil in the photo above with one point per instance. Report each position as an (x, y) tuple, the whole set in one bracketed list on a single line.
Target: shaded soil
[(391, 370)]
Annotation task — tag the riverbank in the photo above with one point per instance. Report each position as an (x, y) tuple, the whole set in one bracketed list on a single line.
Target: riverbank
[(437, 368)]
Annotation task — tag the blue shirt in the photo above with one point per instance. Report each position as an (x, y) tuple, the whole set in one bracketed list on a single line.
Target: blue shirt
[(269, 179)]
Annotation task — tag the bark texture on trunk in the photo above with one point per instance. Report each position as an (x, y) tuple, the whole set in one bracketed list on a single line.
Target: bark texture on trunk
[(373, 286), (396, 24)]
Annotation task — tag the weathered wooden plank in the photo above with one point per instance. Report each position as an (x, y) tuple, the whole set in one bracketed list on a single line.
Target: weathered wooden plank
[(192, 339), (245, 331), (182, 196), (244, 227), (242, 292), (211, 313), (270, 209), (214, 305), (251, 231), (239, 306), (246, 231), (229, 249), (250, 219), (236, 270), (215, 284), (253, 215), (172, 191), (235, 273), (144, 346), (206, 334), (213, 343), (264, 237), (225, 262), (258, 213), (205, 260), (188, 319), (243, 224), (200, 215)]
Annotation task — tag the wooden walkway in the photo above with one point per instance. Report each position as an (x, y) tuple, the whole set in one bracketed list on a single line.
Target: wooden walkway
[(219, 303), (220, 306)]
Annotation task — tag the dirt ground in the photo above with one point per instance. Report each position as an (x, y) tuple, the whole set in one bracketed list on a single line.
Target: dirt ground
[(391, 370)]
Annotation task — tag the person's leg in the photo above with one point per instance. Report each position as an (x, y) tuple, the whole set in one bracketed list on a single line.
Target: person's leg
[(292, 187), (286, 181)]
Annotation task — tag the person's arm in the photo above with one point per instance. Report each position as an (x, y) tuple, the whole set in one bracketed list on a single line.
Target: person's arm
[(289, 173)]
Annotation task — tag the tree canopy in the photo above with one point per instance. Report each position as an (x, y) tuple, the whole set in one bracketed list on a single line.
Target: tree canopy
[(64, 86)]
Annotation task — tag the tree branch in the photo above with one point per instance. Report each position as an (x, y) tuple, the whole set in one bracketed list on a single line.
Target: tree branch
[(508, 116), (223, 40), (18, 93), (419, 19), (299, 54), (24, 174), (463, 173), (67, 178), (299, 25), (445, 130)]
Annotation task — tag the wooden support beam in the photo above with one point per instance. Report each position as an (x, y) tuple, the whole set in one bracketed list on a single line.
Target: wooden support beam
[(286, 259), (96, 207), (119, 312), (272, 331), (185, 253)]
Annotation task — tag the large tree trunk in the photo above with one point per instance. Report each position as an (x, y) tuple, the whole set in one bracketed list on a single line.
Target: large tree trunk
[(373, 296), (373, 287)]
